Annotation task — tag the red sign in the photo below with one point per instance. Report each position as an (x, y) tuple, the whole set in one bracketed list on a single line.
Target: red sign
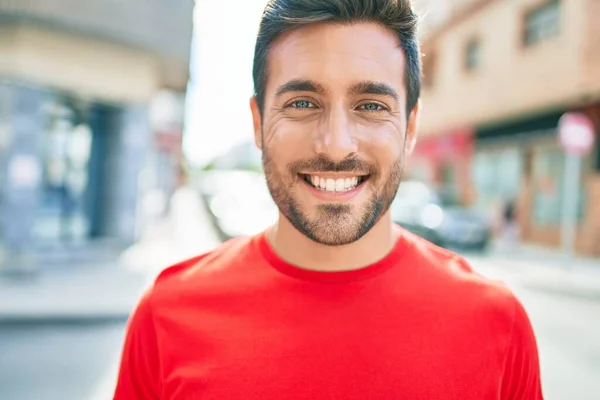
[(576, 133)]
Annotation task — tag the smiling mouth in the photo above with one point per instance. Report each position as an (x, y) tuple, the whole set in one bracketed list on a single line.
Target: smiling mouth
[(334, 185)]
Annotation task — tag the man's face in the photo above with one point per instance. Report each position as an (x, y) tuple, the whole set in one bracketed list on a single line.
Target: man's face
[(334, 129)]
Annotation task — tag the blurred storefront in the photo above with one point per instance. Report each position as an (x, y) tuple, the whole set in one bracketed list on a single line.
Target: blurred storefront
[(522, 162), (78, 147), (444, 163), (509, 70)]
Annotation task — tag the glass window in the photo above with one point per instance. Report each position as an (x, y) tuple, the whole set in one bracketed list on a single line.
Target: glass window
[(66, 150), (542, 22), (548, 180), (472, 55), (448, 190), (497, 176)]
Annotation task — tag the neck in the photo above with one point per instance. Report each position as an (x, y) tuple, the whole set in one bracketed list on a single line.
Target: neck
[(297, 249)]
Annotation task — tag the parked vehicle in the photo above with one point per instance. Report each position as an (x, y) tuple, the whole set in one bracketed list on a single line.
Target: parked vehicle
[(420, 210)]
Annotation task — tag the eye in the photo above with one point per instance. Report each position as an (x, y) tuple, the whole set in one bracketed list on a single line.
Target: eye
[(371, 107), (301, 104)]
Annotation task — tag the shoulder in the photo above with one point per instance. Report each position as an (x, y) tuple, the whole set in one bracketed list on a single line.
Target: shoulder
[(449, 277), (204, 269), (176, 282), (483, 311)]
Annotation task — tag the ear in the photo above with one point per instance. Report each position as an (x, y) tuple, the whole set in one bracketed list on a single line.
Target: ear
[(412, 127), (256, 122)]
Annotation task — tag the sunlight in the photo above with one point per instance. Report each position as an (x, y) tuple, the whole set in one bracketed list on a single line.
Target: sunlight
[(218, 115)]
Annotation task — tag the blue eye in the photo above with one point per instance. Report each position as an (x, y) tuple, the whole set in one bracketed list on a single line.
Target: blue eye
[(372, 107), (302, 104)]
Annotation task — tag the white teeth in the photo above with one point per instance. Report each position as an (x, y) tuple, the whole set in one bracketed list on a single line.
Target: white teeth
[(314, 180), (334, 185), (330, 185)]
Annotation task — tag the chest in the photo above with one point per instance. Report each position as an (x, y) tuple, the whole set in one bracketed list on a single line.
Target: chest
[(331, 350)]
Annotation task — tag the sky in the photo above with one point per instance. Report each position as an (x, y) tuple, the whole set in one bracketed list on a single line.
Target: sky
[(218, 114)]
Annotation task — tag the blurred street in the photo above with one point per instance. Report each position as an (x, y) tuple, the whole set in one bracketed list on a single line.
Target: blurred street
[(57, 361), (64, 356), (61, 332), (125, 149)]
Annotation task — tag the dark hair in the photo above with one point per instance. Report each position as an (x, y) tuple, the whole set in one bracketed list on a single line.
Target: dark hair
[(283, 15)]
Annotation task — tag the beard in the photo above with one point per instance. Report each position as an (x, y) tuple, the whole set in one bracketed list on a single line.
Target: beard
[(334, 224)]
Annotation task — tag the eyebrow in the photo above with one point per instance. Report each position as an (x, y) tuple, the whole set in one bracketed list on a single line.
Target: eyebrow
[(376, 88), (363, 87), (300, 85)]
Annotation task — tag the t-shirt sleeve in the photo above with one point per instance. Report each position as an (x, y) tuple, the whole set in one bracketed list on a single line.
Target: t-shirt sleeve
[(139, 373), (521, 380)]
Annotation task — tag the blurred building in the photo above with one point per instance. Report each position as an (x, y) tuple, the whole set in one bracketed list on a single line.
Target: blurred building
[(497, 77), (91, 96)]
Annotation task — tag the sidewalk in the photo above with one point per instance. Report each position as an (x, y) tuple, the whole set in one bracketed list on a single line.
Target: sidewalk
[(108, 290), (84, 294), (544, 269), (187, 232)]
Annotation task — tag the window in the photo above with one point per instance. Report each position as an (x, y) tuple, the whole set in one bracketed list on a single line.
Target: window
[(472, 55), (497, 176), (449, 190), (66, 150), (542, 22), (548, 180)]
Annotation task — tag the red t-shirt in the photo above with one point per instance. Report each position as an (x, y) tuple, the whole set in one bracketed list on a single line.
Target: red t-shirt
[(241, 323)]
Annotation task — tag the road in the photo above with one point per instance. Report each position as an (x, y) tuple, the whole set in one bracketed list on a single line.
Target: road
[(77, 362), (57, 362)]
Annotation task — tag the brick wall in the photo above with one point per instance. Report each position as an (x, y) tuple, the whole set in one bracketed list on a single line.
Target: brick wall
[(589, 242), (591, 53), (512, 80)]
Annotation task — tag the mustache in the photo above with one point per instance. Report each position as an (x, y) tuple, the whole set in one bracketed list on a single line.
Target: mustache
[(325, 164)]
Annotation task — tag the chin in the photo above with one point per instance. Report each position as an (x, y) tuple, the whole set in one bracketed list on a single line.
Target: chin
[(335, 238), (331, 224)]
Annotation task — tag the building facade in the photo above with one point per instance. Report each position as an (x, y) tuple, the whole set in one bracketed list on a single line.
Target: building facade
[(505, 72), (79, 145)]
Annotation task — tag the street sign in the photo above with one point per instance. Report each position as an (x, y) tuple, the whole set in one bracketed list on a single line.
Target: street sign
[(576, 133)]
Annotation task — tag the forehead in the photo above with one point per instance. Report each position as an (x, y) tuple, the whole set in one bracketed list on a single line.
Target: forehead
[(337, 55)]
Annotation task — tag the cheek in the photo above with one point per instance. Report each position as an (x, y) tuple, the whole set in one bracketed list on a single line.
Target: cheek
[(287, 142), (385, 143), (279, 157)]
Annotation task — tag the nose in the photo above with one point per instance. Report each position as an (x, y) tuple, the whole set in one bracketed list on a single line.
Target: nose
[(335, 137)]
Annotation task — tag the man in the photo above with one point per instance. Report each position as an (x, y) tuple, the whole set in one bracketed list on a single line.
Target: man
[(334, 301)]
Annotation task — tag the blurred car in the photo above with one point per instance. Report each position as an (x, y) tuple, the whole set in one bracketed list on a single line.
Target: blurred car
[(238, 201), (421, 211)]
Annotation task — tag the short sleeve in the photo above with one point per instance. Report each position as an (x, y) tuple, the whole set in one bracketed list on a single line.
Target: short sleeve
[(521, 379), (139, 373)]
